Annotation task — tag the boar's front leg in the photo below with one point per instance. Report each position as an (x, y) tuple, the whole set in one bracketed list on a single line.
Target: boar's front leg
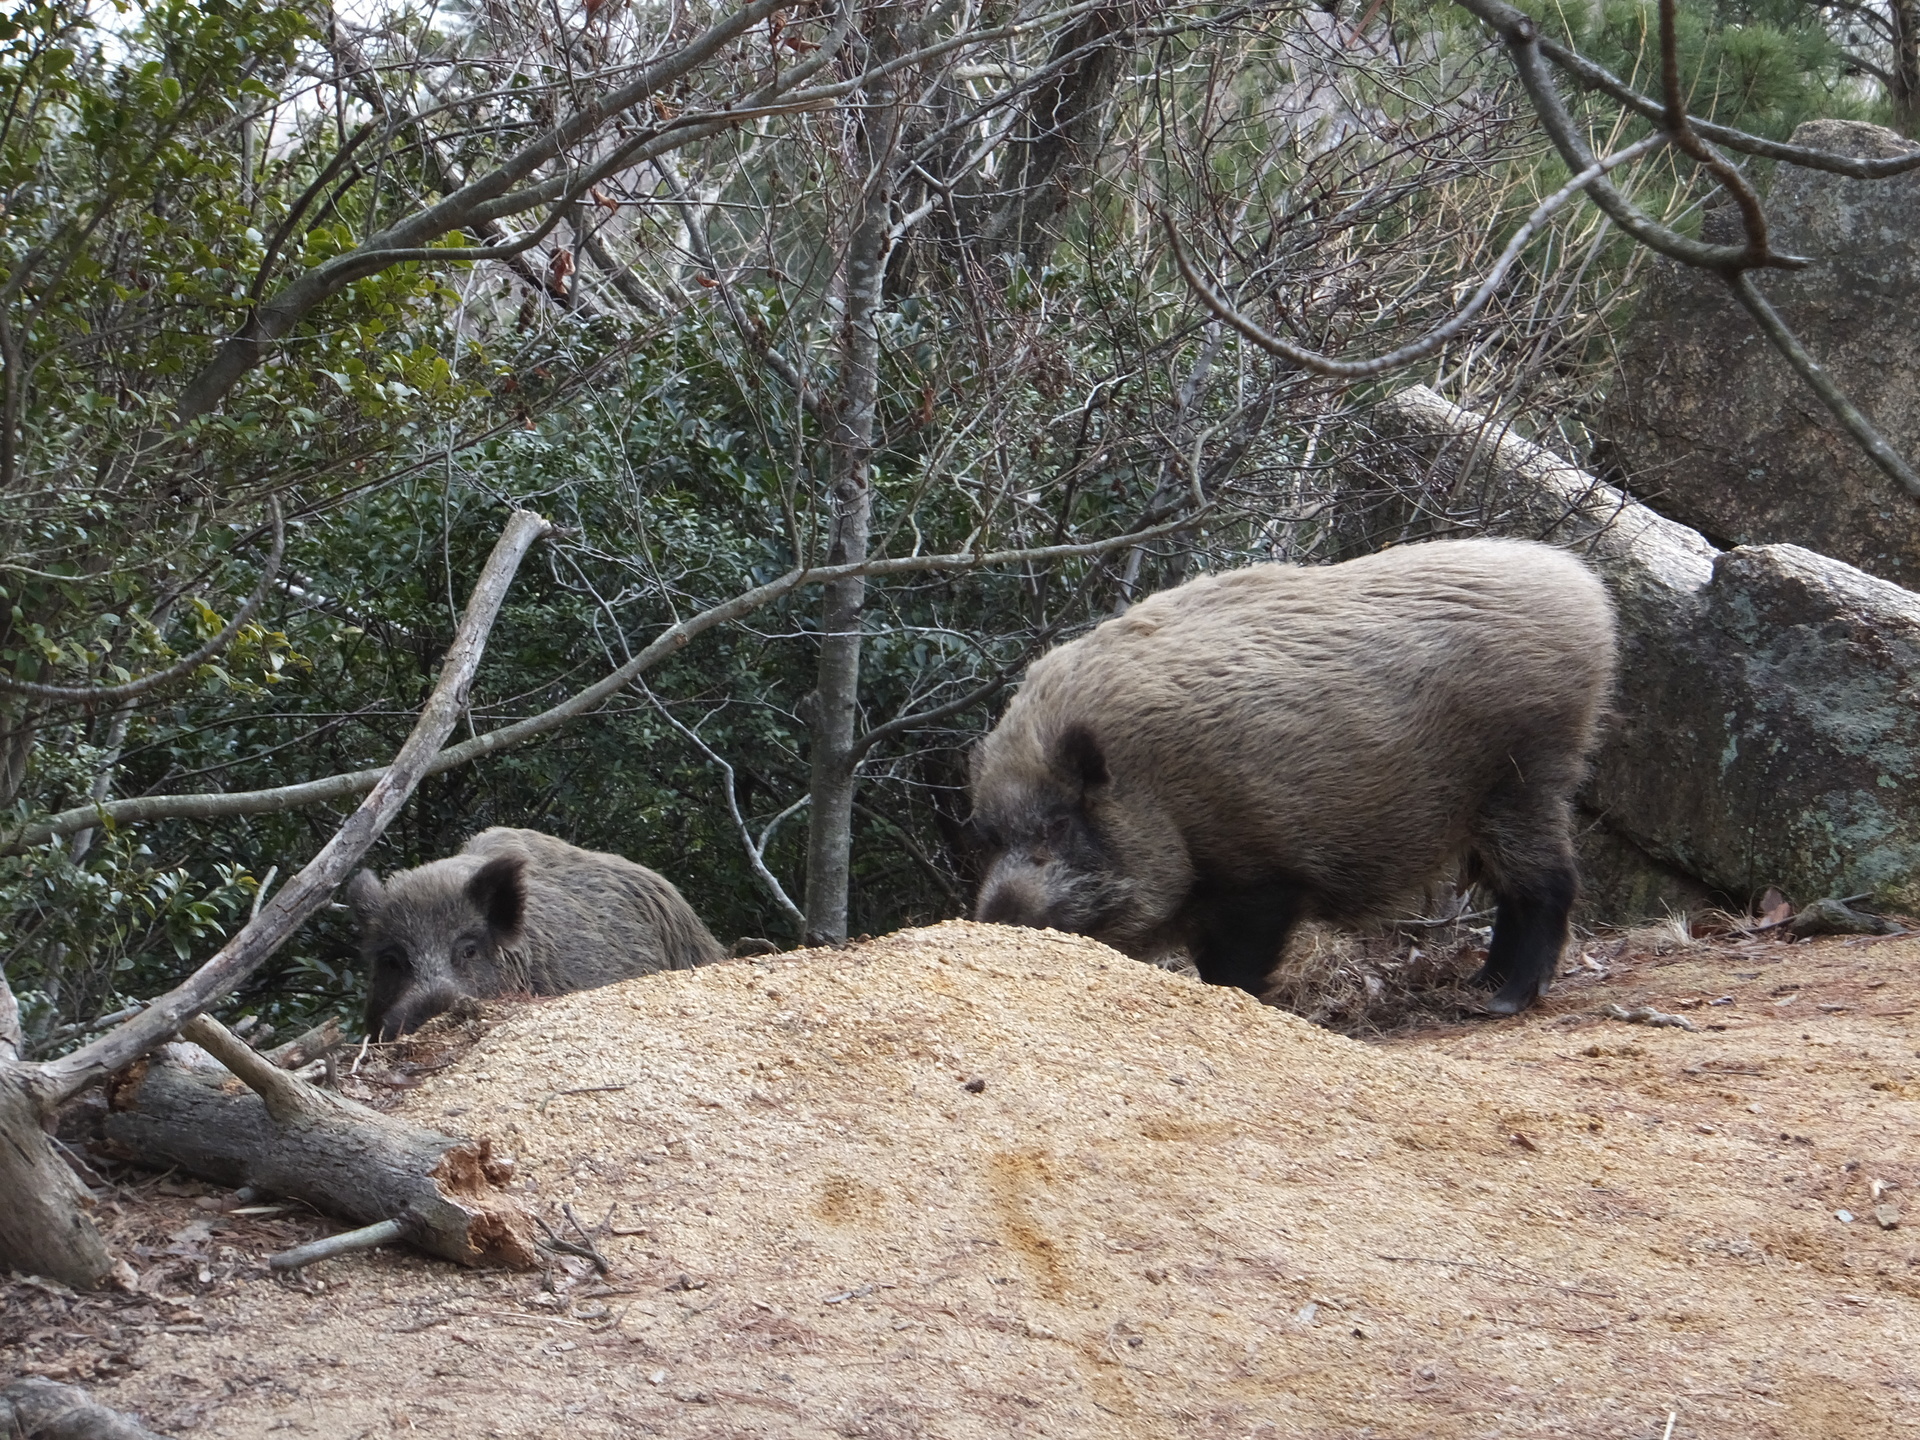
[(1239, 929), (1529, 935)]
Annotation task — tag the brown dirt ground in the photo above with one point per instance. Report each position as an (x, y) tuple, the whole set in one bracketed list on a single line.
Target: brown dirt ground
[(1170, 1212)]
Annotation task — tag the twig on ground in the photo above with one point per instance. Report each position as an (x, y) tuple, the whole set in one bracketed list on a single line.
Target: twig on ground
[(345, 1243), (1646, 1015), (588, 1251)]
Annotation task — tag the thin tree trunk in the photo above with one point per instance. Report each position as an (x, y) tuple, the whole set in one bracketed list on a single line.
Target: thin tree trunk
[(1059, 136), (837, 687), (1904, 92), (18, 723)]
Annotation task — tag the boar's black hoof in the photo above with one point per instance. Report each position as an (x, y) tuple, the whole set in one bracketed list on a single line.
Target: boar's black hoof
[(1515, 993), (1507, 1002)]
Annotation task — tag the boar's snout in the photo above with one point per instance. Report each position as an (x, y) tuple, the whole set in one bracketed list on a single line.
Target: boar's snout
[(1014, 894), (412, 1009)]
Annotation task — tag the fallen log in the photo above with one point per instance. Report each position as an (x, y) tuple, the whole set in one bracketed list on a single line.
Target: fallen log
[(281, 1136), (35, 1409)]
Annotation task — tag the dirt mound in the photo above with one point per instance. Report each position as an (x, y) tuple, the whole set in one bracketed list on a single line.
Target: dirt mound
[(967, 1181)]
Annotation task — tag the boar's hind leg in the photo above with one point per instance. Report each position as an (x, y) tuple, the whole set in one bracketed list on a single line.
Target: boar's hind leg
[(1529, 933), (1239, 930)]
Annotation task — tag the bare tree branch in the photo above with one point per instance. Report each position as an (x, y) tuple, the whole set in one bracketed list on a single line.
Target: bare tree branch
[(1883, 455), (1732, 262), (1522, 37), (756, 852), (494, 196), (1525, 47), (752, 335), (1598, 77), (466, 206), (979, 695), (365, 79), (1753, 217), (670, 642), (1440, 335), (307, 891)]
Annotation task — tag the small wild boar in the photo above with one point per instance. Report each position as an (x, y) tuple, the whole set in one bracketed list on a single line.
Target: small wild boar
[(1282, 742), (515, 912)]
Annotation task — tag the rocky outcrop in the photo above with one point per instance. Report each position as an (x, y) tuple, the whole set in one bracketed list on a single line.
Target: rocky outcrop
[(1707, 422), (1767, 726)]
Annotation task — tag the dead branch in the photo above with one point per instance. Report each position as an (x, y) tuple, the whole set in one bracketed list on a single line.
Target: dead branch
[(1598, 77), (756, 853), (1890, 461), (1732, 262), (489, 197), (1531, 55), (510, 188), (323, 874), (43, 1225), (670, 642), (347, 1242), (306, 1048), (1436, 338), (282, 1136)]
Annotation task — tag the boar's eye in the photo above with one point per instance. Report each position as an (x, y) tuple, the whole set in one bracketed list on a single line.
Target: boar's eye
[(467, 951), (392, 957)]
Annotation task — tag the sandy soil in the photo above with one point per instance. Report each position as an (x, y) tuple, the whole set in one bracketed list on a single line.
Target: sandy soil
[(973, 1182)]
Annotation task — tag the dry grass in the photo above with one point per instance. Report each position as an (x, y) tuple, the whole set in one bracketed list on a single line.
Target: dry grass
[(1670, 936), (1369, 985)]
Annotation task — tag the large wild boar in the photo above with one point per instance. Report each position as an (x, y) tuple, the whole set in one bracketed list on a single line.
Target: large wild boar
[(1282, 742), (515, 912)]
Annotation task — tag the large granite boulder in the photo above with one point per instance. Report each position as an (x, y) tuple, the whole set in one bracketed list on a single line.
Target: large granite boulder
[(1707, 423), (1767, 721)]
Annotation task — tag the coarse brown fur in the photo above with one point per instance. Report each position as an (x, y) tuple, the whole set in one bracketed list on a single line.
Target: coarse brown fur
[(1279, 742), (515, 912)]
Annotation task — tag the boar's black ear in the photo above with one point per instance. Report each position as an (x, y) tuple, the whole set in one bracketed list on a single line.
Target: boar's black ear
[(365, 895), (1080, 757), (499, 888)]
